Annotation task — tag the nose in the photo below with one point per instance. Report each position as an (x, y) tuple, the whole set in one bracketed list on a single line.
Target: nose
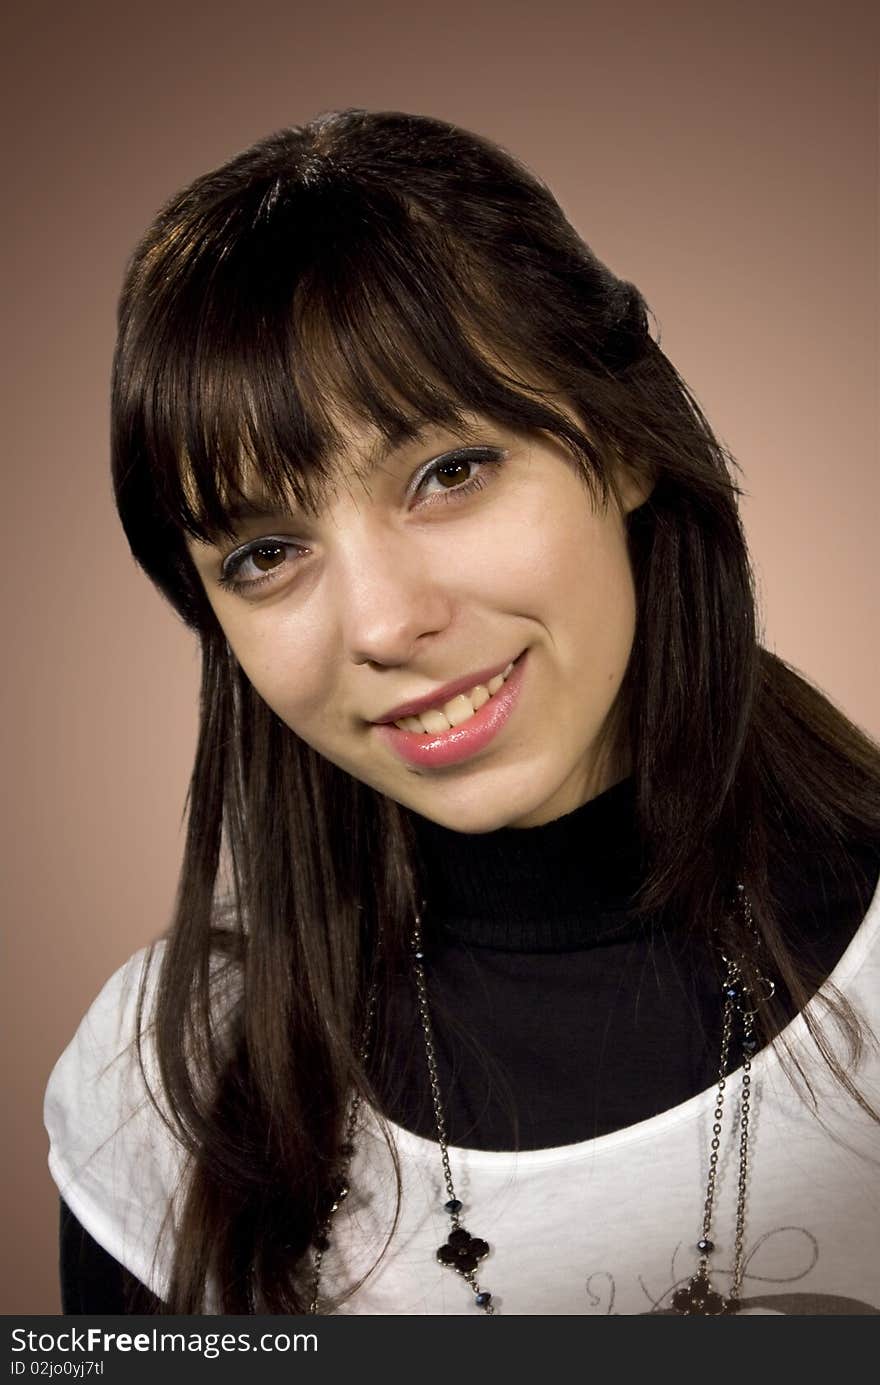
[(389, 599)]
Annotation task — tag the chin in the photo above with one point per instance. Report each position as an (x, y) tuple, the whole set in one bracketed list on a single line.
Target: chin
[(469, 823), (485, 812)]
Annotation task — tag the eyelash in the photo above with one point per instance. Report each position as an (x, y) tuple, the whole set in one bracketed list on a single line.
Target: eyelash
[(483, 457)]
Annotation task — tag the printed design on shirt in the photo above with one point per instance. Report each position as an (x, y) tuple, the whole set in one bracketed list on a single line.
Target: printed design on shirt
[(798, 1245)]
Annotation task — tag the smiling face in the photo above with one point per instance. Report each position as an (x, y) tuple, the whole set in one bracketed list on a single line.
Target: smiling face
[(462, 553)]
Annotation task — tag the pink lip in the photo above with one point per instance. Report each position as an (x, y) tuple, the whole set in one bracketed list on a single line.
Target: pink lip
[(460, 742), (441, 694)]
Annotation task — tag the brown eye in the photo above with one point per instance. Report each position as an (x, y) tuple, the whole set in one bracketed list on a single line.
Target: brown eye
[(459, 474), (267, 556), (453, 473)]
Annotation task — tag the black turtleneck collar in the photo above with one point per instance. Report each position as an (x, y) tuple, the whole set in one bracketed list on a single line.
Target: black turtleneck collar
[(564, 884)]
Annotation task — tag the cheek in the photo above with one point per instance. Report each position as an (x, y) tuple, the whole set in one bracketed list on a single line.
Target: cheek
[(604, 614), (602, 592), (569, 570), (290, 664)]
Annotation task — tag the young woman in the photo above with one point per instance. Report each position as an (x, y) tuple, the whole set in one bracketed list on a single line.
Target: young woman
[(527, 946)]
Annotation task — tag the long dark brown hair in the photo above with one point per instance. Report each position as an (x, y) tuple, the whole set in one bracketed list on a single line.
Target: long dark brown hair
[(394, 269)]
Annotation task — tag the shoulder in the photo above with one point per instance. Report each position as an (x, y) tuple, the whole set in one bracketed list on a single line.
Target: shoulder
[(114, 1160), (99, 1064), (857, 972)]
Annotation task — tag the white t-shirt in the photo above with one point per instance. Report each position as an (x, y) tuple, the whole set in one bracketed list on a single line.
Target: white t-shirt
[(604, 1226)]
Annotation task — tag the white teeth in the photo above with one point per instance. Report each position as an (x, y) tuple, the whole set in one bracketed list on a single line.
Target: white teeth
[(433, 721), (457, 710)]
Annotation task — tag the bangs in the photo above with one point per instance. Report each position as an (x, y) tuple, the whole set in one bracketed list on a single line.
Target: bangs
[(266, 339)]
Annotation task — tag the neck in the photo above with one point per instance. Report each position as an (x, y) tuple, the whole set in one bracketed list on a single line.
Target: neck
[(564, 884)]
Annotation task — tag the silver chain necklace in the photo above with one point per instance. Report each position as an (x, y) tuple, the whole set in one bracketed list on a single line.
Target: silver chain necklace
[(462, 1251)]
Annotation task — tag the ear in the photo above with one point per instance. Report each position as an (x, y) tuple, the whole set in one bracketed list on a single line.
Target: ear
[(633, 484)]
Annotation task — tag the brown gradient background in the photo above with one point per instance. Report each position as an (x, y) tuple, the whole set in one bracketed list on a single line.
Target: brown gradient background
[(722, 157)]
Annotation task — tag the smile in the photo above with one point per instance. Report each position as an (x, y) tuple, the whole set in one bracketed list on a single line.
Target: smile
[(457, 710), (458, 729)]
